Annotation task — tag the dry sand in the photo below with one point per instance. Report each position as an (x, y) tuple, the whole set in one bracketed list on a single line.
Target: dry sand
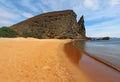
[(33, 60)]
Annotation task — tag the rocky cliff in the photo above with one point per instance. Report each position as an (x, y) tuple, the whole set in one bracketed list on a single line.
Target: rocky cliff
[(59, 24), (81, 27)]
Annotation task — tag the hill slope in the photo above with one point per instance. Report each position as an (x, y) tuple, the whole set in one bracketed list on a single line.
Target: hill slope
[(58, 24)]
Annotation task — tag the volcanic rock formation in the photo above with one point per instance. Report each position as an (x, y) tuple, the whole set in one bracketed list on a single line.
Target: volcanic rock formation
[(58, 24)]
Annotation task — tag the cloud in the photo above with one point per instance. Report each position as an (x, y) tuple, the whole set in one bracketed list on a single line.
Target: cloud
[(114, 2), (7, 15), (56, 5), (29, 4), (27, 15), (5, 23), (111, 32), (14, 11), (108, 28), (91, 4)]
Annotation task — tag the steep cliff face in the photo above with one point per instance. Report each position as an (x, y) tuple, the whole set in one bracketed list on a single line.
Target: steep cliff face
[(59, 24)]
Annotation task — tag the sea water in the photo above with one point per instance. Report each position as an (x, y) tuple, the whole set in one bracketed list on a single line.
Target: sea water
[(107, 50)]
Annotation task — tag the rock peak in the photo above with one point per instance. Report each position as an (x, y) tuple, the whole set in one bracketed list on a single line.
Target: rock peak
[(81, 26), (81, 19)]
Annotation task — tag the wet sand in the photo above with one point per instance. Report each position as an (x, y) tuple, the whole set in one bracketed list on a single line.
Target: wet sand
[(33, 60), (95, 70)]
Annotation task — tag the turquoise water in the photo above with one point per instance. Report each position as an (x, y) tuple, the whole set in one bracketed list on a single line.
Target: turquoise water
[(107, 50)]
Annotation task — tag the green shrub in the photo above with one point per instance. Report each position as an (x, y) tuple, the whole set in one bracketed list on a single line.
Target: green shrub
[(7, 32), (10, 33)]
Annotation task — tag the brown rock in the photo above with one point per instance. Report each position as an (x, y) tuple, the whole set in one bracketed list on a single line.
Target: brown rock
[(58, 24), (81, 26)]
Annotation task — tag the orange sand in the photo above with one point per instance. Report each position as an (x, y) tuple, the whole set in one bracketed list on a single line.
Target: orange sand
[(33, 60)]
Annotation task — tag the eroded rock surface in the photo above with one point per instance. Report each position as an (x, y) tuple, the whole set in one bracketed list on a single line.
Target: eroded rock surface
[(58, 24)]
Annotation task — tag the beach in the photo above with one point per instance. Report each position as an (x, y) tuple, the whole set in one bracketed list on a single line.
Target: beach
[(34, 60), (49, 60)]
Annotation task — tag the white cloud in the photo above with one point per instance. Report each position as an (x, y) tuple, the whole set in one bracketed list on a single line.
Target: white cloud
[(110, 22), (59, 4), (27, 15), (114, 2), (29, 4), (8, 15), (11, 12), (91, 4), (92, 10), (5, 23), (52, 4), (105, 12), (10, 7), (111, 32), (109, 28)]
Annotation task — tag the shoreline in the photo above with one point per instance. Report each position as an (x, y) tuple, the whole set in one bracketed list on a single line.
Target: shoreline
[(84, 61), (96, 58), (78, 74), (44, 60), (102, 61)]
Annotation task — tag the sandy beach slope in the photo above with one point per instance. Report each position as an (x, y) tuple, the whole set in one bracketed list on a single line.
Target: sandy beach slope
[(33, 60)]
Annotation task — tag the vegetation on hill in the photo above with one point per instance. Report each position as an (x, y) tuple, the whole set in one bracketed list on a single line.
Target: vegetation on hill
[(7, 32), (11, 33)]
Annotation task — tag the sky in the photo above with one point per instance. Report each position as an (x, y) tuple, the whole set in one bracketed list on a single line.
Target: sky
[(102, 17)]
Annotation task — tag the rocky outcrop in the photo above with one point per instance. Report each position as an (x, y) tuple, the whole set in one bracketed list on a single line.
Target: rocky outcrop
[(81, 26), (59, 24)]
